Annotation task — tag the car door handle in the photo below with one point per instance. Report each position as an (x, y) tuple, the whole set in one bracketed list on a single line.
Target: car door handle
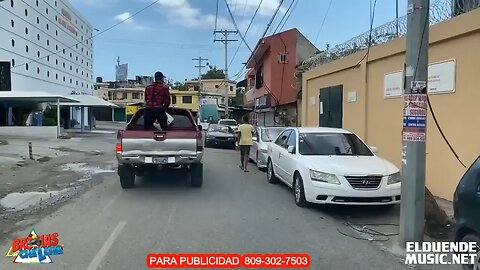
[(280, 155)]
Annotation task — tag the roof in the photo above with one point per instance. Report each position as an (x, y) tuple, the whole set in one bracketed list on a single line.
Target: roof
[(35, 96), (263, 45), (322, 130), (88, 101)]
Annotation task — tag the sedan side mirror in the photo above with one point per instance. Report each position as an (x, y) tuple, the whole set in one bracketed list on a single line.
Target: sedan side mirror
[(374, 149), (291, 149)]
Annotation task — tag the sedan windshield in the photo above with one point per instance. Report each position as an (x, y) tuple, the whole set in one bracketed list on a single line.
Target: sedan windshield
[(332, 144), (219, 128), (270, 134), (228, 122)]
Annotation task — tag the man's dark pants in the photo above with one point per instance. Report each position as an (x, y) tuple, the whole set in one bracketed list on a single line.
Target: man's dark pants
[(244, 153), (155, 114)]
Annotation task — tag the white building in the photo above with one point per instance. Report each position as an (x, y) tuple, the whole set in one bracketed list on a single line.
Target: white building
[(48, 44)]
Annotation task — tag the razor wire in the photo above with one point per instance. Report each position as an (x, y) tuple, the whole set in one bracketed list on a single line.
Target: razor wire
[(440, 10)]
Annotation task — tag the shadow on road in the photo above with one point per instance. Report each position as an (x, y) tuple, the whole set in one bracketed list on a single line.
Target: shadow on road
[(164, 178)]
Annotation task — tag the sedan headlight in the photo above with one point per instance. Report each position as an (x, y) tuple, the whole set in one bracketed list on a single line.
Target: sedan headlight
[(394, 178), (324, 177)]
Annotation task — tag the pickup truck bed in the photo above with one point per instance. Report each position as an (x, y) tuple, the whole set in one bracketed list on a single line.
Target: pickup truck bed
[(138, 150)]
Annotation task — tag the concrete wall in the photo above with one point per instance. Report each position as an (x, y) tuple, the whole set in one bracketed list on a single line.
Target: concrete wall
[(29, 132), (378, 120)]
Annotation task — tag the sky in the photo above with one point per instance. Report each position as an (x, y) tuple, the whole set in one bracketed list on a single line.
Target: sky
[(166, 36)]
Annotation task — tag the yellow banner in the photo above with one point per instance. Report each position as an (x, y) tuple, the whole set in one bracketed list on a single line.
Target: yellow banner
[(130, 110)]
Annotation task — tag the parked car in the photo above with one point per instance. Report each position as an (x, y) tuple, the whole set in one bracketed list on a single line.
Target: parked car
[(220, 136), (229, 122), (331, 166), (466, 202), (263, 137), (140, 150)]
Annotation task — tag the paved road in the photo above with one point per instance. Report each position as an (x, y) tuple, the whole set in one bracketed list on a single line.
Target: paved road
[(234, 212)]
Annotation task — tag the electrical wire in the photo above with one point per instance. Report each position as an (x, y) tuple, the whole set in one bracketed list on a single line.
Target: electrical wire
[(93, 36), (323, 21), (284, 16), (288, 17), (272, 19), (216, 18), (435, 120), (372, 18), (236, 26), (246, 32)]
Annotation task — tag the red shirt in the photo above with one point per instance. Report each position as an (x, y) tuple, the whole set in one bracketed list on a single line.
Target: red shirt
[(157, 95)]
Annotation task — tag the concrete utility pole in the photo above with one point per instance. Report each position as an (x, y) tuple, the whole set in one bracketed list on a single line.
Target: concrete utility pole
[(225, 40), (200, 86), (412, 211)]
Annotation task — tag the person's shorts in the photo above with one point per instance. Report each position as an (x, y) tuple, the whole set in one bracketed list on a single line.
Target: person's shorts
[(245, 149)]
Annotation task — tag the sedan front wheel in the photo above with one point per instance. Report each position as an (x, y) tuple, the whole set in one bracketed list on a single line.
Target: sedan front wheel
[(272, 179), (299, 191)]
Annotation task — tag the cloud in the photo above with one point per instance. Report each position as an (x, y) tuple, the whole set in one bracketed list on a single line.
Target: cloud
[(125, 17), (267, 8)]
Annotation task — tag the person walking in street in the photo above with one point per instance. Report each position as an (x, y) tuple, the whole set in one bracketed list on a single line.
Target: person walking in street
[(245, 131), (157, 100)]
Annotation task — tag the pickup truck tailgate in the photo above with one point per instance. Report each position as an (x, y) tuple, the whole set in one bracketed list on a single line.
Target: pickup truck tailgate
[(158, 143)]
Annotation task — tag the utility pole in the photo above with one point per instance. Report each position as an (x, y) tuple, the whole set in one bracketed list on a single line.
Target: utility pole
[(225, 41), (412, 210), (200, 86)]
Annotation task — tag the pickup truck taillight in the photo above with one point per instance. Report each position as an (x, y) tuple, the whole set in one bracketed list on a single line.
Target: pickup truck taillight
[(199, 141), (118, 148)]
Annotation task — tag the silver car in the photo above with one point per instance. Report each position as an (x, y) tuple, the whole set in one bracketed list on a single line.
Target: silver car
[(262, 138)]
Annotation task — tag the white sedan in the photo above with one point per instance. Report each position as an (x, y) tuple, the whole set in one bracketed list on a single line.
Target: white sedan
[(331, 166), (263, 137)]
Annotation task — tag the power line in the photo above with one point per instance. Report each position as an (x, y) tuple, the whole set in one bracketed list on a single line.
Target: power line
[(323, 21), (272, 19), (93, 36), (372, 18), (236, 26), (288, 17), (246, 31), (284, 16), (216, 17)]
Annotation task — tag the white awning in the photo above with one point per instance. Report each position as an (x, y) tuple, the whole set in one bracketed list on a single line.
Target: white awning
[(35, 96), (88, 101)]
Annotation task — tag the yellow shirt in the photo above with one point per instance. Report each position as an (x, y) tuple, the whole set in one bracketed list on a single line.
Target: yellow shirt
[(246, 134)]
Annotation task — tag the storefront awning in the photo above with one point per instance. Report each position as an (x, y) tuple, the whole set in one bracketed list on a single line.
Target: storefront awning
[(35, 96), (88, 101)]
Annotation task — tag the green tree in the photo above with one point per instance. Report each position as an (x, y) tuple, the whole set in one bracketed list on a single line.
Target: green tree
[(179, 86), (214, 73)]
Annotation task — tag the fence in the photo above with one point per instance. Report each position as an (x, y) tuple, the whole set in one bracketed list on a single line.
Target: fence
[(440, 10)]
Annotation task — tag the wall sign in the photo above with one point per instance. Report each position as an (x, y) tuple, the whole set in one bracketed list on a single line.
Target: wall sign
[(66, 23), (441, 79), (263, 102)]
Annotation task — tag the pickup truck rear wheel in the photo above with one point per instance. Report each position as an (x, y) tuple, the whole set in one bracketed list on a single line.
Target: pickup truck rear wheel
[(196, 172), (127, 176)]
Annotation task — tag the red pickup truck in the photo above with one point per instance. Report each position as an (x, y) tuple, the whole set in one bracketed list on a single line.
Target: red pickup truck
[(138, 150)]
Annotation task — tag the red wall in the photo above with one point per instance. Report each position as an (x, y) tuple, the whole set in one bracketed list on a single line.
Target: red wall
[(283, 91)]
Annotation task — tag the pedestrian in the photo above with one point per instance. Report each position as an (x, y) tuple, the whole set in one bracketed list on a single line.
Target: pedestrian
[(245, 131), (157, 100)]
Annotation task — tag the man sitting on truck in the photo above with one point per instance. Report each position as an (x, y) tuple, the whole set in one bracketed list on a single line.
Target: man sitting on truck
[(157, 100)]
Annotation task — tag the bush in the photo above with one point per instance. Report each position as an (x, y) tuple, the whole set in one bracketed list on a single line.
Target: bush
[(49, 122)]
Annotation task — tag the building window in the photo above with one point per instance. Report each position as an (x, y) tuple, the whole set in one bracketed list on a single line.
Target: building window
[(82, 84), (55, 3), (56, 62), (82, 38), (82, 72), (77, 83), (76, 46), (56, 18), (63, 64), (12, 22), (38, 70), (82, 61), (13, 43), (259, 77), (124, 95), (71, 81), (46, 10), (81, 26), (282, 58), (76, 21), (48, 74), (26, 48), (38, 53), (56, 47), (26, 30), (26, 66), (71, 55), (135, 95), (216, 86), (11, 3), (56, 32), (76, 58), (36, 2), (196, 88), (174, 99), (38, 20), (70, 67), (87, 52), (38, 36), (187, 99), (48, 58), (63, 78), (82, 49), (63, 51), (26, 12), (48, 42), (77, 70), (231, 88), (48, 27), (56, 76), (13, 62)]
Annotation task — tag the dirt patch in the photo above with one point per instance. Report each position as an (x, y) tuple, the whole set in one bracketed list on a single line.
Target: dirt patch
[(44, 159), (3, 142)]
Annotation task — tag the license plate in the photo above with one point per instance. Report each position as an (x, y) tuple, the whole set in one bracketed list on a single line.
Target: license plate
[(160, 160)]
